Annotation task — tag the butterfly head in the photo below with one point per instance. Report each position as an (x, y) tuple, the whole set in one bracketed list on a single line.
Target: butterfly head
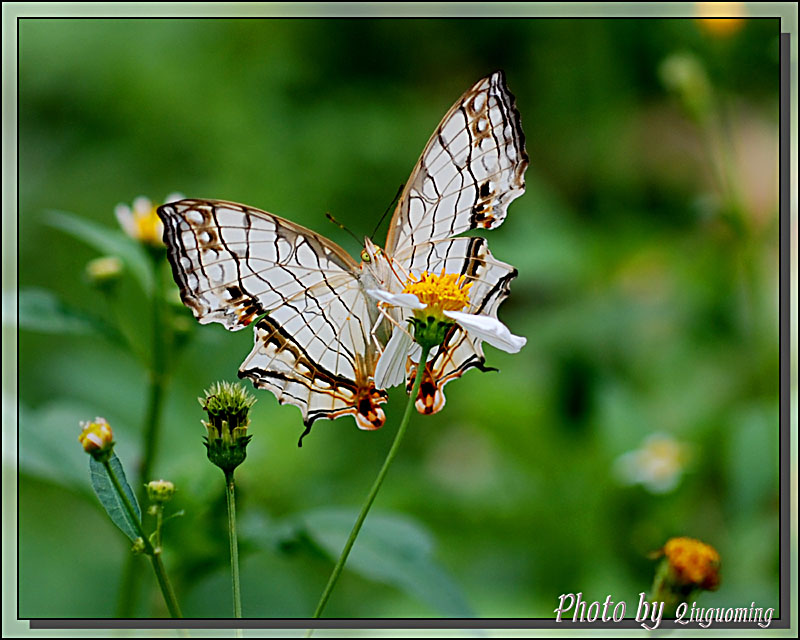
[(371, 253), (375, 265)]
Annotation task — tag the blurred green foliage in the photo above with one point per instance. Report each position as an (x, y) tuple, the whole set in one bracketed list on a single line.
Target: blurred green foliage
[(646, 245)]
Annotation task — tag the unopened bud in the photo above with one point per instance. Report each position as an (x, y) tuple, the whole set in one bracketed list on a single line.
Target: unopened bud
[(227, 406), (97, 438), (104, 272), (160, 491)]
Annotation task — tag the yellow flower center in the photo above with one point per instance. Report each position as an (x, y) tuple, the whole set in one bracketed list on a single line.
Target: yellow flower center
[(693, 562), (440, 293), (149, 228)]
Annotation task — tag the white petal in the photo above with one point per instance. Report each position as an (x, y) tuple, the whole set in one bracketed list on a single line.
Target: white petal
[(95, 439), (404, 300), (489, 329), (391, 369), (142, 206), (415, 352), (125, 218), (174, 197)]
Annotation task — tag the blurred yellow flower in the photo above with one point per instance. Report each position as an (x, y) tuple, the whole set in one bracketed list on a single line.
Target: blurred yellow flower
[(142, 222), (720, 19), (104, 270), (692, 563), (657, 464)]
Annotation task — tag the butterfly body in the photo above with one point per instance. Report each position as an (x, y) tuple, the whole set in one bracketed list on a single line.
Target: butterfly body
[(318, 333)]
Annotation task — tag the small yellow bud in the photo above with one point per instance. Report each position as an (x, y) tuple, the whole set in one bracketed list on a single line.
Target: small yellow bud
[(104, 271), (96, 437), (160, 491)]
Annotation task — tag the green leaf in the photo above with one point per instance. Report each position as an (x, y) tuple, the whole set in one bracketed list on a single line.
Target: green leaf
[(108, 241), (391, 549), (109, 498), (42, 310)]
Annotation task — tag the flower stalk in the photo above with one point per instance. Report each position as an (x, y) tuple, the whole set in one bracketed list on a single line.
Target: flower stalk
[(228, 406), (148, 548), (152, 422), (373, 492), (234, 544), (157, 374)]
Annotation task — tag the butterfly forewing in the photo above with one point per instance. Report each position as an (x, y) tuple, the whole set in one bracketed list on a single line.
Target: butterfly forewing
[(471, 169), (234, 263), (313, 346)]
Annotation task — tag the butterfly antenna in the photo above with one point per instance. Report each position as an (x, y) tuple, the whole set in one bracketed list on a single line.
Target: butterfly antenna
[(342, 227), (385, 213)]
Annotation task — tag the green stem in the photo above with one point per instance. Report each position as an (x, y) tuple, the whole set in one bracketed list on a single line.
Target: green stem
[(155, 554), (159, 509), (150, 430), (229, 493), (373, 492), (157, 375)]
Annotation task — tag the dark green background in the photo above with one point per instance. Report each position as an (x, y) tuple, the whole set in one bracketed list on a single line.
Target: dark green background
[(647, 291)]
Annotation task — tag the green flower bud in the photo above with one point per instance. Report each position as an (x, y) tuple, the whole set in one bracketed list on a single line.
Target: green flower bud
[(160, 491), (227, 406), (138, 547)]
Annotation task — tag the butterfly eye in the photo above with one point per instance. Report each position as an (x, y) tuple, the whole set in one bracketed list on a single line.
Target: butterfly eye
[(365, 256)]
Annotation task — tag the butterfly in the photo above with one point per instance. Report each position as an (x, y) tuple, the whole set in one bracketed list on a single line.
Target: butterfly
[(318, 334)]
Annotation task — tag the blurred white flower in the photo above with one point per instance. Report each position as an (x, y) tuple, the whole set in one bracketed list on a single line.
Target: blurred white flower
[(657, 465), (142, 222)]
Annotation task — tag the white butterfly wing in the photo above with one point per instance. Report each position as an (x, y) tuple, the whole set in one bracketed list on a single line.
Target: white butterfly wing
[(312, 346), (470, 171), (472, 168)]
